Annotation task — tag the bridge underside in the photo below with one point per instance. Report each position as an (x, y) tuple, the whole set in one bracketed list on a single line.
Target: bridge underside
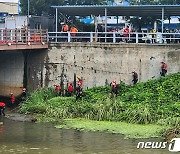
[(23, 46), (11, 72)]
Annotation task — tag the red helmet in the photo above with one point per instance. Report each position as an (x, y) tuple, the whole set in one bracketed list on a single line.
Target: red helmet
[(24, 89)]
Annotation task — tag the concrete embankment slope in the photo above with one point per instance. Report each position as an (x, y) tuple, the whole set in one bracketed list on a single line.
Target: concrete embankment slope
[(98, 64)]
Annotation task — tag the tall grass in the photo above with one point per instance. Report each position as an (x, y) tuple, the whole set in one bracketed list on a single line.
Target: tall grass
[(144, 103)]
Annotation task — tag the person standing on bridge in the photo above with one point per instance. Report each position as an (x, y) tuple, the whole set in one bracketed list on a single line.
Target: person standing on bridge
[(12, 99), (73, 31), (163, 69), (2, 108), (65, 28)]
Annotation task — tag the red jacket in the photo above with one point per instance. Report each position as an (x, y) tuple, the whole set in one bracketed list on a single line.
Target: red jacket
[(2, 104), (12, 99), (57, 89), (164, 66), (70, 88), (80, 82)]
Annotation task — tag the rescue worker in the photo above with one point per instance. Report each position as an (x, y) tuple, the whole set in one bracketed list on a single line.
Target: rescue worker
[(73, 31), (57, 90), (24, 94), (65, 28), (135, 77), (80, 81), (70, 89), (2, 108), (12, 99), (163, 69), (79, 91), (114, 88)]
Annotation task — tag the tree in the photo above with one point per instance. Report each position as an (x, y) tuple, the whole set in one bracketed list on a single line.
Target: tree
[(153, 2), (39, 6)]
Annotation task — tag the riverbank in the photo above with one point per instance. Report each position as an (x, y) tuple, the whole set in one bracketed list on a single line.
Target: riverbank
[(154, 103)]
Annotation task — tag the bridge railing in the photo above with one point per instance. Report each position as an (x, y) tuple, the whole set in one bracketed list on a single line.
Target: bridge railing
[(114, 37), (23, 36)]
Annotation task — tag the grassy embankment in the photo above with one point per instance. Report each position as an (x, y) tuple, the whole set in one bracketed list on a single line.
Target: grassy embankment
[(143, 110)]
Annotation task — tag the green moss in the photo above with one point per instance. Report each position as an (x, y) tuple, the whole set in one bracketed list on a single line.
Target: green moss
[(129, 130)]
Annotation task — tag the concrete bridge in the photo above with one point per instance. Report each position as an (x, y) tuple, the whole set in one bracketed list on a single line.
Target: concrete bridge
[(97, 63)]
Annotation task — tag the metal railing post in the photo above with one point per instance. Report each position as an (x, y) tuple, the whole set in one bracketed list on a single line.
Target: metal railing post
[(2, 35), (91, 37), (69, 37), (137, 38), (114, 37)]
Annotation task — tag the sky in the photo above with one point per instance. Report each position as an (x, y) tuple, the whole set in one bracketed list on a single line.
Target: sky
[(16, 1)]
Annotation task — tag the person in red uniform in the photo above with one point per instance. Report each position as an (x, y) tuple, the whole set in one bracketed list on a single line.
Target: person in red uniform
[(12, 98), (163, 69), (57, 90), (2, 108), (114, 88), (70, 89), (80, 81)]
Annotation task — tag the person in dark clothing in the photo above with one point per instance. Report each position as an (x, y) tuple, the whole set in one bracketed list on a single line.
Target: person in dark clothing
[(24, 94), (2, 108), (79, 91), (163, 69), (135, 77), (114, 88)]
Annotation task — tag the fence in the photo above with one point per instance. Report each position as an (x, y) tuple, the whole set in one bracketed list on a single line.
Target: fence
[(114, 37), (23, 36)]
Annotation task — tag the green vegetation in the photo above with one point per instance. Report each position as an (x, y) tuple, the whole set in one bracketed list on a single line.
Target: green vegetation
[(155, 101), (129, 130)]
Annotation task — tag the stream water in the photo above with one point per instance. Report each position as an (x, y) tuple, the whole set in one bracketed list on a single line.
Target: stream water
[(42, 138)]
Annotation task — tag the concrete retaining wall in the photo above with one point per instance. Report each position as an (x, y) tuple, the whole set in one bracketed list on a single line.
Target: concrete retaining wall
[(99, 64)]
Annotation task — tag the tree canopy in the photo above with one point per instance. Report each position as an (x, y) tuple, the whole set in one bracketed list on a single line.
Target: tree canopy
[(39, 6), (153, 2)]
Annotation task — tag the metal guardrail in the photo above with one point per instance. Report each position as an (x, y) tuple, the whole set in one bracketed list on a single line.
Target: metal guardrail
[(114, 37), (23, 36)]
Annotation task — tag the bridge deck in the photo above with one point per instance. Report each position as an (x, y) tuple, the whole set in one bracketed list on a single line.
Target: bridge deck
[(18, 39)]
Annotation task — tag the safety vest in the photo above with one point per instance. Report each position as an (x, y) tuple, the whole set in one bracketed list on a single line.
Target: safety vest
[(65, 28)]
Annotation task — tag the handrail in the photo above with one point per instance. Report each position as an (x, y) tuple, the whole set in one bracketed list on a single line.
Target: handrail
[(23, 36), (113, 37)]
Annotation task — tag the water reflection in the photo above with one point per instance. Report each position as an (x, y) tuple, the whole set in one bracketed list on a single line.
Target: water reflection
[(26, 137)]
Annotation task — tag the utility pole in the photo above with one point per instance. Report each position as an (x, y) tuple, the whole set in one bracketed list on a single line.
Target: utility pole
[(28, 14)]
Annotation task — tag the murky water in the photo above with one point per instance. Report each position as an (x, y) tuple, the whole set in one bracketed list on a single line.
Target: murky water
[(26, 137)]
